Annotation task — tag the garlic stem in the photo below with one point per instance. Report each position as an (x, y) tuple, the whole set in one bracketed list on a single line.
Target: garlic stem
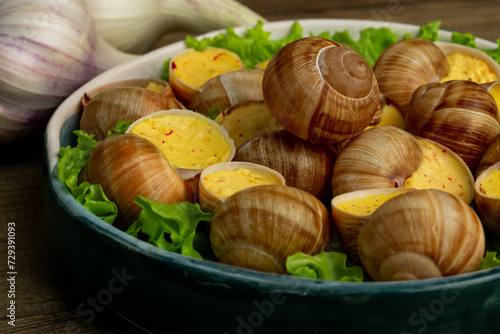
[(133, 26)]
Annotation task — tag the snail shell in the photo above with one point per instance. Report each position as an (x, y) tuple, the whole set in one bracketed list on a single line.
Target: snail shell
[(209, 201), (421, 234), (122, 103), (348, 224), (407, 64), (320, 90), (126, 166), (487, 207), (490, 156), (258, 228), (228, 89), (460, 115), (304, 165)]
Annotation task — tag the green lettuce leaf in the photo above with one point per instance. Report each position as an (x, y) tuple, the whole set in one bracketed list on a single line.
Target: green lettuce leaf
[(254, 46), (171, 227), (324, 266), (490, 260), (430, 31), (72, 160), (120, 128)]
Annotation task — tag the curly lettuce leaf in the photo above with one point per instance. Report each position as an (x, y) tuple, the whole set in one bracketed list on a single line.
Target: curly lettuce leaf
[(325, 266), (490, 260), (254, 46), (171, 227), (430, 31), (72, 160), (120, 128)]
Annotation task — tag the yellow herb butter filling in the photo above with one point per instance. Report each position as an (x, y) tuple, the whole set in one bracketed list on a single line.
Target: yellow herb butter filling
[(367, 205), (225, 183), (466, 67), (186, 141), (195, 68), (440, 170), (490, 186)]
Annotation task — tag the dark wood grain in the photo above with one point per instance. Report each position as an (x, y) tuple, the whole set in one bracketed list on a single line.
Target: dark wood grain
[(47, 294)]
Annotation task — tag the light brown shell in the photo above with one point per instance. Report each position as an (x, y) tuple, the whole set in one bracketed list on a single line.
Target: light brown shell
[(115, 104), (209, 202), (258, 228), (320, 90), (347, 224), (460, 115), (490, 156), (228, 89), (487, 207), (304, 165), (127, 166), (380, 157), (421, 234), (406, 65)]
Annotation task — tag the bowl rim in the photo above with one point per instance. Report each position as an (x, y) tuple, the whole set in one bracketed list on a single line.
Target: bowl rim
[(70, 107)]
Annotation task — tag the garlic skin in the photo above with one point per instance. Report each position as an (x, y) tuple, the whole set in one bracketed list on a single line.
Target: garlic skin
[(406, 65), (320, 90), (49, 49), (258, 228), (421, 234), (127, 166), (458, 114), (133, 26)]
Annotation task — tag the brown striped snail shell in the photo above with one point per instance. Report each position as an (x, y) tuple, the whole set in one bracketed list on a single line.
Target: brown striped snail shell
[(406, 65), (127, 166), (460, 115), (421, 234), (258, 228), (228, 89), (304, 165), (320, 90), (490, 156), (487, 207), (115, 104)]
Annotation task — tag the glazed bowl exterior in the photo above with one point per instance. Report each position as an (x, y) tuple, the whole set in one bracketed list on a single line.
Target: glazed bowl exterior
[(169, 293)]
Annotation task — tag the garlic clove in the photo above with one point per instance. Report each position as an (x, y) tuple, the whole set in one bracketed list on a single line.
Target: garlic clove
[(126, 166), (228, 89), (487, 198), (458, 114), (220, 181), (406, 65), (191, 69), (189, 140), (320, 90), (246, 120), (304, 165), (134, 26), (122, 103), (421, 234), (351, 210), (259, 227)]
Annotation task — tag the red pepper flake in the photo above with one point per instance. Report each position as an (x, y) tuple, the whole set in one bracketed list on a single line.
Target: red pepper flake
[(220, 181), (461, 186), (168, 134), (223, 113), (449, 178), (444, 187), (241, 135), (192, 150), (174, 66), (218, 55), (153, 127), (444, 151)]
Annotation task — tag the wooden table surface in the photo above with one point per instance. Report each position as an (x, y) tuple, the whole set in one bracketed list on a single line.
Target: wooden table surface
[(47, 294)]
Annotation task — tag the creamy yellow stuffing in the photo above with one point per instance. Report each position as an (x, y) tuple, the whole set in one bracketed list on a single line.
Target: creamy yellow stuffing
[(490, 186), (367, 205), (466, 67)]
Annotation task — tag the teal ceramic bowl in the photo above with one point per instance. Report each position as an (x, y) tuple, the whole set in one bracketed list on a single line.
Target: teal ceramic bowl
[(168, 293)]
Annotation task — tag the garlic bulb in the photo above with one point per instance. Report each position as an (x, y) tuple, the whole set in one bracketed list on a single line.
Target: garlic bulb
[(421, 234), (127, 166), (49, 49), (258, 228), (320, 90), (133, 26)]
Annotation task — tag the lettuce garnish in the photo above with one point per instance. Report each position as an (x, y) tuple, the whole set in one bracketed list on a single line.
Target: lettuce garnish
[(172, 227), (325, 266), (490, 260)]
